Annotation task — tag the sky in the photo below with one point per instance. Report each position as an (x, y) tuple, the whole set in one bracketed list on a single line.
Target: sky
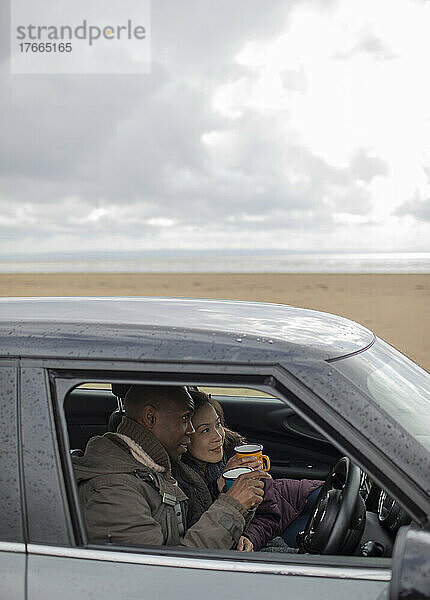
[(296, 125)]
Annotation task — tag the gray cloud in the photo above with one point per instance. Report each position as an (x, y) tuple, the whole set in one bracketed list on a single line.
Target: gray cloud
[(294, 81), (366, 167), (368, 43), (419, 209), (96, 160), (60, 127)]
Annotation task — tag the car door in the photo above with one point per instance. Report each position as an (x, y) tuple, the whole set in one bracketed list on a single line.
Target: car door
[(61, 561), (12, 543), (113, 576)]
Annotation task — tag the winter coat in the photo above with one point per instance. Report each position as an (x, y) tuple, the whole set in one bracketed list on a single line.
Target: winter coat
[(128, 495), (284, 500)]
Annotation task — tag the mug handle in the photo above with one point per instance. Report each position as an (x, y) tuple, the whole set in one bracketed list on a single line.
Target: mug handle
[(265, 459)]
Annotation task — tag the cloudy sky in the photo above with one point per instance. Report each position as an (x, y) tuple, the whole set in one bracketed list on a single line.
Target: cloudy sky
[(285, 124)]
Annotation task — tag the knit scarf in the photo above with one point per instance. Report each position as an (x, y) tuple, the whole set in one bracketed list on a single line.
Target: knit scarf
[(199, 497)]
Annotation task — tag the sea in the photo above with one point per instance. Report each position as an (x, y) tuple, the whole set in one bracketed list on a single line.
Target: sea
[(218, 261)]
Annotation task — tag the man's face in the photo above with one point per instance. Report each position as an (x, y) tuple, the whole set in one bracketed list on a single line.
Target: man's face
[(173, 426)]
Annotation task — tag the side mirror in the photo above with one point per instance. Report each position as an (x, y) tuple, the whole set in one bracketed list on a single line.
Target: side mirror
[(411, 565)]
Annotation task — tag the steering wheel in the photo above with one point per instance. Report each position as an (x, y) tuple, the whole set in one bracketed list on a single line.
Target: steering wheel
[(336, 524)]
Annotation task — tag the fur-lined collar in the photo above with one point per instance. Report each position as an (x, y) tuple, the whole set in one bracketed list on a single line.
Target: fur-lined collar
[(144, 446), (139, 454)]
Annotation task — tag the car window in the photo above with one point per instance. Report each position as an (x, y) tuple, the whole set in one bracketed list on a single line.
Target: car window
[(296, 451), (394, 383)]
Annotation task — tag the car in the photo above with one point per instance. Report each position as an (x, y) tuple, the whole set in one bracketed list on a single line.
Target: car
[(326, 398)]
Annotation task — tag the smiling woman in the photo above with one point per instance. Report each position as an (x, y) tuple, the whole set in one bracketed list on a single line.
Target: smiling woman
[(214, 451), (208, 439)]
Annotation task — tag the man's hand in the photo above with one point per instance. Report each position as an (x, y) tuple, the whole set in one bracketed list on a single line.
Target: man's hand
[(248, 489), (245, 545), (238, 461)]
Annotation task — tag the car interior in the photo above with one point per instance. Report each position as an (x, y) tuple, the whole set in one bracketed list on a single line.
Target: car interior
[(296, 451)]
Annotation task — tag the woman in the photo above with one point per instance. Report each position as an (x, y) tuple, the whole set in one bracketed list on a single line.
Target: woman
[(211, 452)]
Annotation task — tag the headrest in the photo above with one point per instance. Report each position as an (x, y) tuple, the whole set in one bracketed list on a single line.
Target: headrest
[(120, 389)]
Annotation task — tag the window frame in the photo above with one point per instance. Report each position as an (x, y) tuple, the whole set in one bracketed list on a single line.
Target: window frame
[(66, 376), (13, 530)]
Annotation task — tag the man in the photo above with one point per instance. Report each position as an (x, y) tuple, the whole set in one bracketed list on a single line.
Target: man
[(134, 490)]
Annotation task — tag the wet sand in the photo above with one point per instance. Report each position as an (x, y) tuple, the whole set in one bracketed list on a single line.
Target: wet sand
[(395, 307)]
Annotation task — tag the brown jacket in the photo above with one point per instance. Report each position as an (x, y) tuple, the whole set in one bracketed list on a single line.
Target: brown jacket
[(128, 495)]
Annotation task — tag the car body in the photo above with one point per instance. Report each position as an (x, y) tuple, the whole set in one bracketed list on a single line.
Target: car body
[(301, 382)]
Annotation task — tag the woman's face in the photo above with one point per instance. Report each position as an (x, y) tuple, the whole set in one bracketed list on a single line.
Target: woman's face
[(206, 442)]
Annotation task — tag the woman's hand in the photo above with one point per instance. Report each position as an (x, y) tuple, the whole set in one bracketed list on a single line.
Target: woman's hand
[(245, 545), (234, 462), (220, 483), (243, 461)]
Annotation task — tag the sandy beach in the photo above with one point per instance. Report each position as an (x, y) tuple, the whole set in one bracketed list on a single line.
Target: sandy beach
[(395, 307)]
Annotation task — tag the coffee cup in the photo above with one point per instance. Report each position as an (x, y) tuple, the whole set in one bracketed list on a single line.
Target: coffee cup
[(231, 475), (254, 450)]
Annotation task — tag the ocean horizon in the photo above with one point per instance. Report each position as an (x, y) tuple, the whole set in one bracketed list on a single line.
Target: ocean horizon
[(219, 261)]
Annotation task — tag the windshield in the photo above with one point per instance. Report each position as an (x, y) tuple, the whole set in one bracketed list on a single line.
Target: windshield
[(396, 384)]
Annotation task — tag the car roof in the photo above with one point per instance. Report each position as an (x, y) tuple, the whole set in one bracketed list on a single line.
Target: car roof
[(252, 325)]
